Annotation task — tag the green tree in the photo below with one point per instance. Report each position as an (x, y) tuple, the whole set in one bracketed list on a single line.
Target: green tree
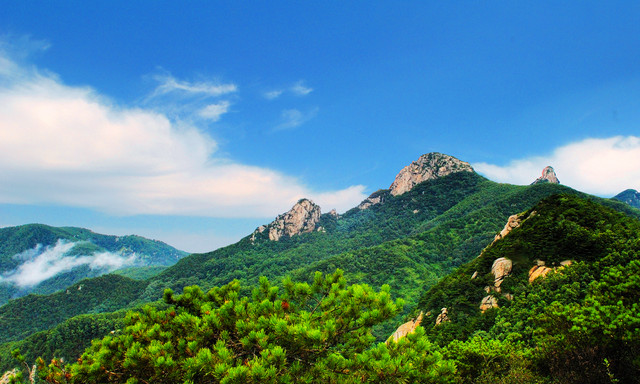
[(296, 333)]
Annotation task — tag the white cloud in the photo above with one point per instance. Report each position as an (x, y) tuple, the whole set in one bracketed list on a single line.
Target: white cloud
[(71, 146), (340, 200), (42, 263), (292, 118), (169, 84), (271, 95), (300, 89), (297, 89), (603, 166), (214, 111)]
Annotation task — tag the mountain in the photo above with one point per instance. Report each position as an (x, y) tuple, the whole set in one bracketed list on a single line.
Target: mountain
[(630, 196), (561, 280), (548, 176), (37, 258), (444, 217)]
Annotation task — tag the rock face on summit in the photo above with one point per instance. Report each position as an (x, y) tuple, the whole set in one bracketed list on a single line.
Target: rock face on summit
[(427, 167), (302, 218), (548, 176)]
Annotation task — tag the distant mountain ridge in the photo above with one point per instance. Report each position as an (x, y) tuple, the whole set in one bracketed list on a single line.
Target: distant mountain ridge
[(43, 259), (629, 196)]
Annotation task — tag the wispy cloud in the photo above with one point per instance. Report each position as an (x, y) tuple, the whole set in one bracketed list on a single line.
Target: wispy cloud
[(42, 263), (300, 89), (214, 111), (271, 95), (169, 84), (71, 146), (297, 89), (601, 166), (293, 118)]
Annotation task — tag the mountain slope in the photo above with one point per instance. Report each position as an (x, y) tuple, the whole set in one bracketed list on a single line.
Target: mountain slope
[(101, 294), (562, 284), (409, 240), (42, 259)]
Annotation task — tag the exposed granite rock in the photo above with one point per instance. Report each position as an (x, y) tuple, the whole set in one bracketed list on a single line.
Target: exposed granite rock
[(540, 270), (333, 213), (302, 218), (427, 167), (501, 268), (377, 197), (442, 317), (488, 302), (406, 328), (8, 376), (475, 274), (630, 196), (255, 233), (513, 222), (548, 176)]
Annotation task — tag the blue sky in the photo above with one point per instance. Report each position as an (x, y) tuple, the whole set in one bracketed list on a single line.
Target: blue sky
[(195, 122)]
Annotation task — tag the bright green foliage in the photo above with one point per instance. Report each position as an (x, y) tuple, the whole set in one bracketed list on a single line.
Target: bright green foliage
[(580, 324), (298, 332), (484, 360)]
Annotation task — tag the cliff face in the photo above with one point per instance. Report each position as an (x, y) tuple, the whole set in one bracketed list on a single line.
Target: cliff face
[(302, 218), (548, 176), (427, 167)]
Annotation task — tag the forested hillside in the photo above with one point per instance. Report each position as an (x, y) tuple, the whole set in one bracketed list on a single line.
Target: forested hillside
[(566, 311), (412, 243), (567, 304), (41, 259)]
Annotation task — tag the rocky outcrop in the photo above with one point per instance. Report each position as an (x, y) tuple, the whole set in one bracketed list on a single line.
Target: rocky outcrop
[(427, 167), (500, 269), (442, 317), (333, 213), (8, 376), (540, 270), (548, 176), (488, 302), (377, 197), (513, 222), (406, 328), (302, 218)]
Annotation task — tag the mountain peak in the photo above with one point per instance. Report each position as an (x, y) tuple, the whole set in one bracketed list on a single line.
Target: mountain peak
[(301, 218), (629, 196), (428, 166), (548, 176)]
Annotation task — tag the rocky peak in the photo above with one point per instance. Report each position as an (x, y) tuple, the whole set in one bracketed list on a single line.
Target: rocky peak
[(302, 218), (377, 197), (548, 176), (427, 167)]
